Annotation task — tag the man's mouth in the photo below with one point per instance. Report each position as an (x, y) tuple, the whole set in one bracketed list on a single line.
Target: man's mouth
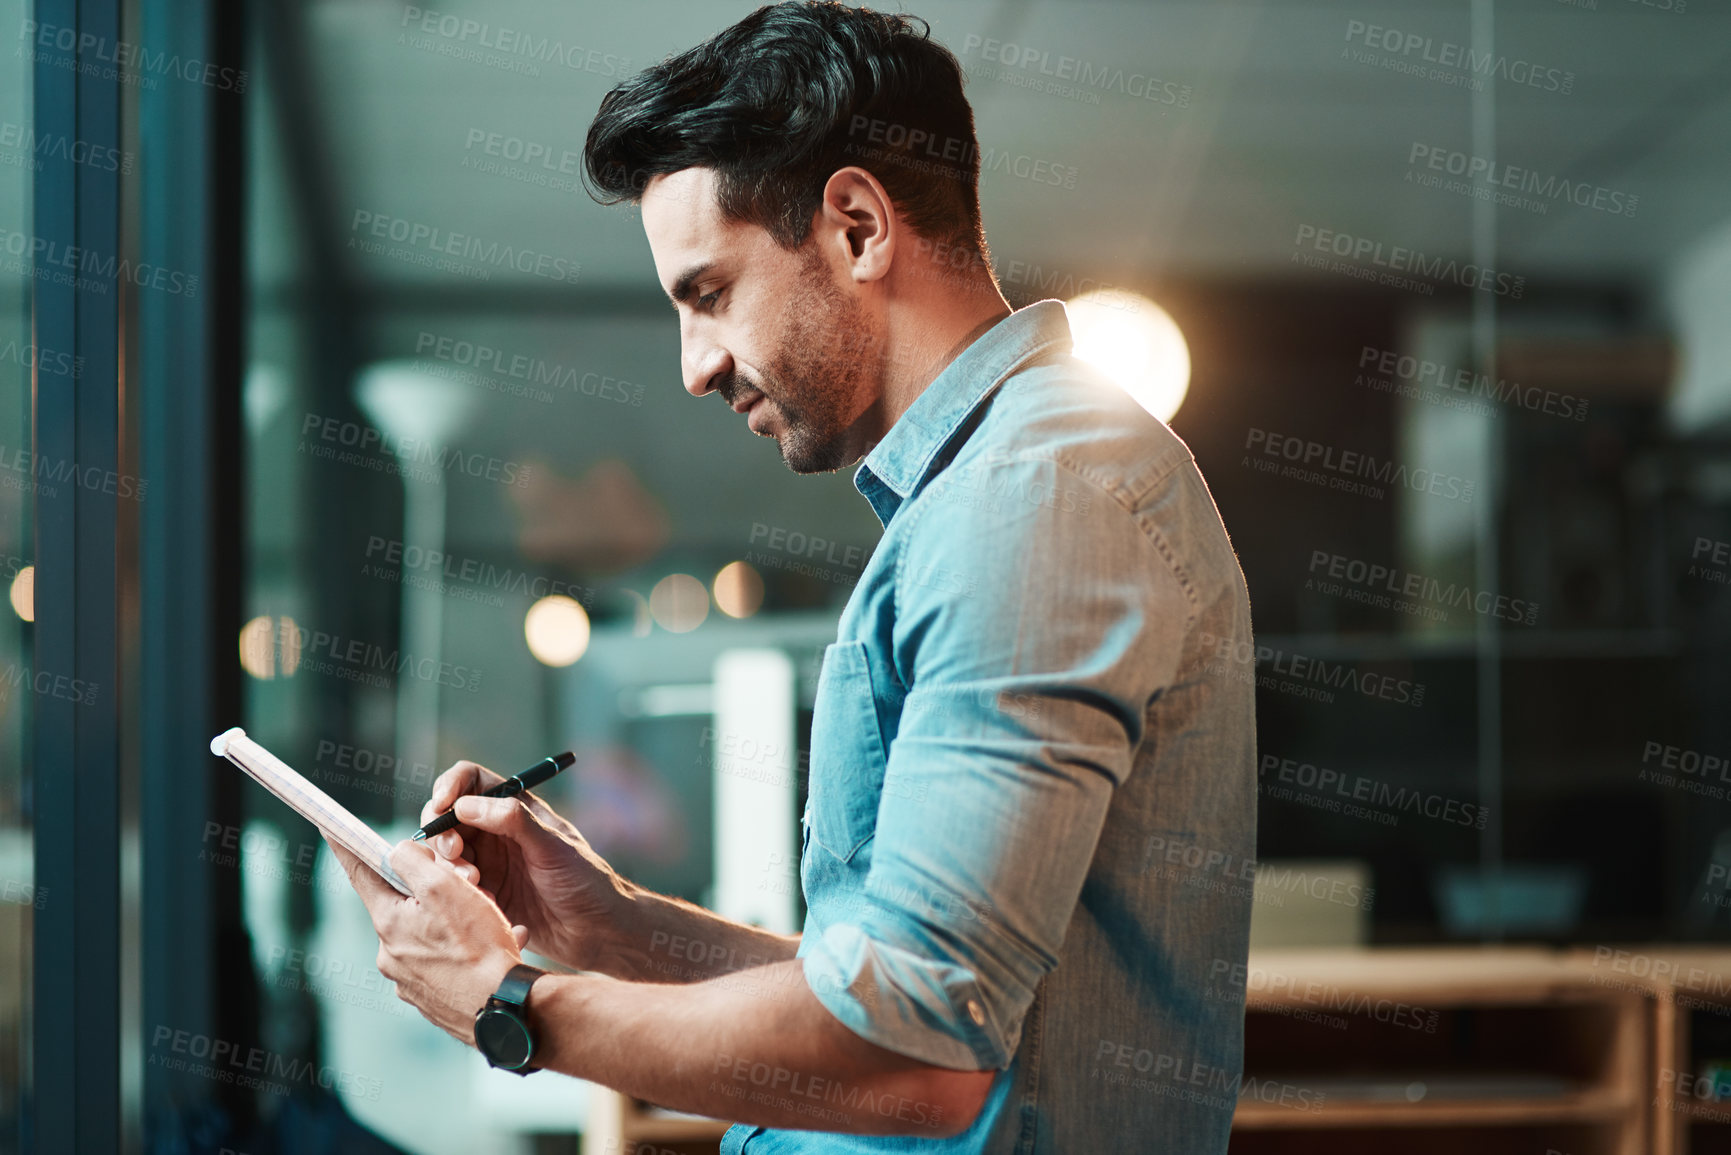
[(751, 410)]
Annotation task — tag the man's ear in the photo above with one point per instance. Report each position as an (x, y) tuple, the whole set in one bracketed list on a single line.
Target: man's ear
[(860, 221)]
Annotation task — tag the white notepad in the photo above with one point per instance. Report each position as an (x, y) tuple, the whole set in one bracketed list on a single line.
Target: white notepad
[(319, 808)]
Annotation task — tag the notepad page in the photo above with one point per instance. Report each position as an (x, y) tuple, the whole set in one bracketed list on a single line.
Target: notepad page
[(314, 804)]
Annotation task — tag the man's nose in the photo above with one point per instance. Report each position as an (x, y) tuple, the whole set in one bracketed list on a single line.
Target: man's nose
[(702, 364)]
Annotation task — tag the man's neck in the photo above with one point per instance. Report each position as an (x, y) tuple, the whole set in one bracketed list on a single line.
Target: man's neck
[(930, 348), (974, 334)]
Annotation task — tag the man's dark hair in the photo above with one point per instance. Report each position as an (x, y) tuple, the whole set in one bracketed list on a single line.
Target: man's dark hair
[(781, 100)]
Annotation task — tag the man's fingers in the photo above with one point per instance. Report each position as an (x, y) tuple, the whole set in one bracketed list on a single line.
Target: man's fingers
[(377, 895), (417, 866), (458, 780), (504, 816), (462, 778), (521, 934)]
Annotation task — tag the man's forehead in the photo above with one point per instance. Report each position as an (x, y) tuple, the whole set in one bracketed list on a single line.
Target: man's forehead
[(681, 216), (690, 189)]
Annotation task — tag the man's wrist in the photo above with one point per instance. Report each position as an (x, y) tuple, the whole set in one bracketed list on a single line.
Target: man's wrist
[(623, 947), (555, 1014), (488, 976), (594, 941)]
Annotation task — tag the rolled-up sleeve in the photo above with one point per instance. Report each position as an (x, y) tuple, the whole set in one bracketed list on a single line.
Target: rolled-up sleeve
[(1035, 621)]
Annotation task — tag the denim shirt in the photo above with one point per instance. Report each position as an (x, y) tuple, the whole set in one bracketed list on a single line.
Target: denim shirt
[(1030, 836)]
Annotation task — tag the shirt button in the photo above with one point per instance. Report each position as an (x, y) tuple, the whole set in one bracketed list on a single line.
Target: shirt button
[(976, 1012)]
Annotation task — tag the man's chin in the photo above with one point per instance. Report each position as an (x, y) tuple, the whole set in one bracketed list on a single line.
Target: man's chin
[(815, 459)]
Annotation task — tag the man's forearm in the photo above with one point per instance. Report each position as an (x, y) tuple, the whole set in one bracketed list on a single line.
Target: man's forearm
[(754, 1046), (657, 939)]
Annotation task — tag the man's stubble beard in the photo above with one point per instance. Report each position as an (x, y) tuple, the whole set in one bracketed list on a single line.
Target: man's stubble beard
[(824, 357)]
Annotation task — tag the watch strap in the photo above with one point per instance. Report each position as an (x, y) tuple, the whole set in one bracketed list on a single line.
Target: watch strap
[(514, 988)]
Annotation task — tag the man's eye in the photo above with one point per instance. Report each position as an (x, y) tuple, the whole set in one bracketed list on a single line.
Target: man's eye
[(707, 301)]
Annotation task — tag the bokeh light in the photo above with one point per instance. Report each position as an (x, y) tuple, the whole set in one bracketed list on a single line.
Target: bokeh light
[(557, 630), (1136, 344), (258, 647), (270, 646), (738, 590), (288, 650), (679, 603), (24, 593)]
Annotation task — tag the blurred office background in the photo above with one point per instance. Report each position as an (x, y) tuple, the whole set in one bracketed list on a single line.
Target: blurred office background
[(376, 446)]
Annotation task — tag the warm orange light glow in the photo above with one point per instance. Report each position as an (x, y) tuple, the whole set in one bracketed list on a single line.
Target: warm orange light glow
[(258, 649), (24, 593), (270, 646), (557, 630), (738, 590)]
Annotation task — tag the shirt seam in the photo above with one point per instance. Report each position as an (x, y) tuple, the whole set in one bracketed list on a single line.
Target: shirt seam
[(1158, 540), (1154, 536), (1031, 1099)]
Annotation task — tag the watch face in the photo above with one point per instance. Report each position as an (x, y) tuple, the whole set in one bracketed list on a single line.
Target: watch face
[(502, 1038)]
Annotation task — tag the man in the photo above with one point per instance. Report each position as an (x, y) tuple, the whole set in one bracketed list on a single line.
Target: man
[(1031, 788)]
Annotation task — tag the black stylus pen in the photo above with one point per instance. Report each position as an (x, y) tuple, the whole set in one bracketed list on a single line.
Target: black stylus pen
[(527, 780)]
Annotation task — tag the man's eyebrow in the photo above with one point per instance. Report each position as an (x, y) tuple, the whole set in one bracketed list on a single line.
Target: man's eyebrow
[(682, 286)]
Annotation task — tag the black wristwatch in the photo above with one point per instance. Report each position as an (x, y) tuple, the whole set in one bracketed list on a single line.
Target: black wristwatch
[(502, 1026)]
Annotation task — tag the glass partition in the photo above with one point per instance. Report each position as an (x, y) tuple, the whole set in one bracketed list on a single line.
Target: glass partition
[(23, 368)]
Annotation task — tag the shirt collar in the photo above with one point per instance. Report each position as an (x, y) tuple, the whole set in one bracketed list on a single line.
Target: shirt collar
[(905, 457)]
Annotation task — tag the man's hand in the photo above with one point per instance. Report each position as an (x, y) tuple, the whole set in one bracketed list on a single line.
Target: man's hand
[(448, 947), (541, 871)]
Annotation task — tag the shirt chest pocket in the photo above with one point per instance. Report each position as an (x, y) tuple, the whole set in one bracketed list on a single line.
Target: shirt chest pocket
[(847, 753)]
